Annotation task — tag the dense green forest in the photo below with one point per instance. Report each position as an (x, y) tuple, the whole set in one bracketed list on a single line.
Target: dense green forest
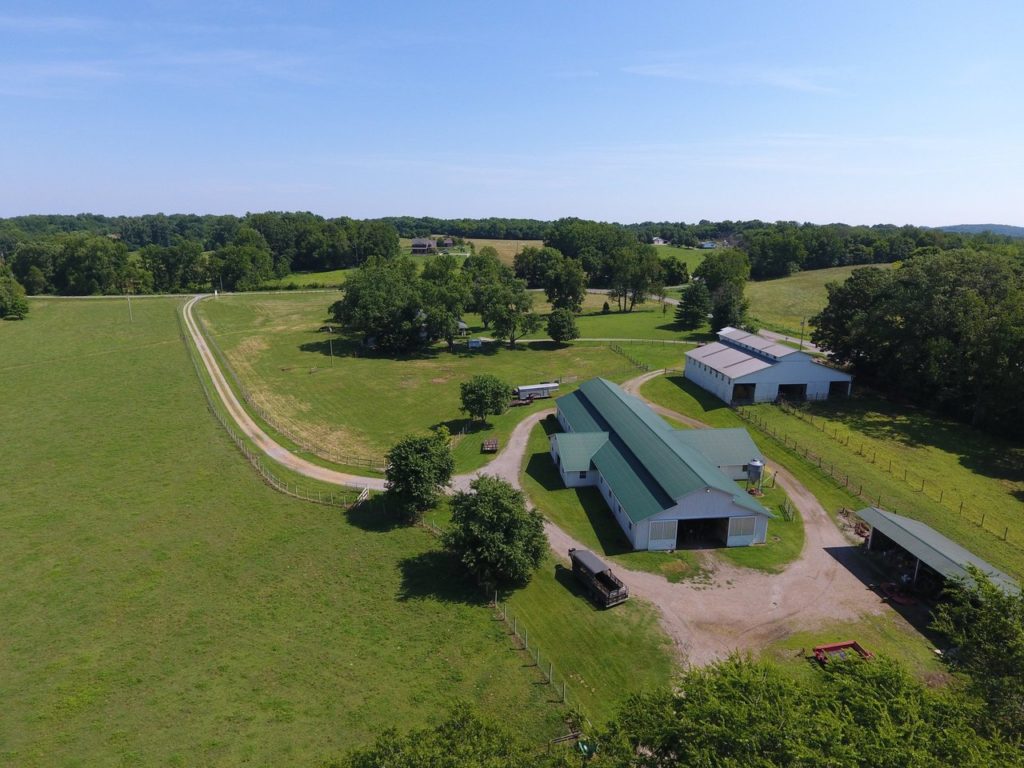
[(93, 254)]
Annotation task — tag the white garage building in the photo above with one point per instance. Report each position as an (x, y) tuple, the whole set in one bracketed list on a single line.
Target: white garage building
[(743, 367), (664, 486)]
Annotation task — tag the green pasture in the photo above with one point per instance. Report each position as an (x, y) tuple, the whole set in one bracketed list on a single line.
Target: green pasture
[(782, 304), (330, 279), (163, 606), (583, 513), (650, 320), (360, 405), (964, 483), (692, 257)]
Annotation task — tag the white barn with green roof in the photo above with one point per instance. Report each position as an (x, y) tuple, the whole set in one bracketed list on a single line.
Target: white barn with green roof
[(660, 483)]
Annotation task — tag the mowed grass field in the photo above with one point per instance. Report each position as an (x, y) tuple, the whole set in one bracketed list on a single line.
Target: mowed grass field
[(780, 305), (861, 436), (362, 405), (162, 606), (692, 257)]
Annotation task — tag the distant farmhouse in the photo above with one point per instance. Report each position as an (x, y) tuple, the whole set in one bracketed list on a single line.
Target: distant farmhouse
[(708, 245), (424, 245), (664, 486), (743, 367), (659, 241)]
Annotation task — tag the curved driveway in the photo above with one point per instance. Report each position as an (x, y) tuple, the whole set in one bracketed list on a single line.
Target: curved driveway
[(744, 610)]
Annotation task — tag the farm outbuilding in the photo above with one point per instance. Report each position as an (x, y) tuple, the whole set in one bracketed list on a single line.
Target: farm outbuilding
[(527, 391), (665, 487), (927, 557), (424, 245), (743, 367)]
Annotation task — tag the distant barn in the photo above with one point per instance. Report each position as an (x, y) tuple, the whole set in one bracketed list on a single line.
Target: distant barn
[(424, 245), (743, 368)]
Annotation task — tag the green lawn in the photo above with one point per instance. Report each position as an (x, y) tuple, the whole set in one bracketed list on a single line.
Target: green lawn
[(359, 405), (329, 279), (780, 305), (692, 257), (584, 515)]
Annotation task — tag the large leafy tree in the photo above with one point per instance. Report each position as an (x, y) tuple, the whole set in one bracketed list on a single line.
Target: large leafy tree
[(728, 265), (383, 302), (482, 270), (565, 284), (635, 271), (13, 303), (493, 533), (485, 394), (446, 295), (418, 469), (694, 306), (728, 306), (562, 326), (985, 623), (509, 307)]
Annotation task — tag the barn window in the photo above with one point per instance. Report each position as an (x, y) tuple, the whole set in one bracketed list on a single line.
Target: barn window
[(741, 526), (583, 475), (663, 529)]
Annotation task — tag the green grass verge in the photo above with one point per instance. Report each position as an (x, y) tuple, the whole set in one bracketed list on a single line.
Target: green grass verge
[(329, 279), (781, 304), (692, 257), (163, 606)]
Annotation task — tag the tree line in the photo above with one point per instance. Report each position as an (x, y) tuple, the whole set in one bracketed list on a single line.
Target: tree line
[(944, 330)]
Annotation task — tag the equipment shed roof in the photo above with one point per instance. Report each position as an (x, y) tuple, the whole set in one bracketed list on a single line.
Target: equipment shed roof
[(931, 547), (729, 361)]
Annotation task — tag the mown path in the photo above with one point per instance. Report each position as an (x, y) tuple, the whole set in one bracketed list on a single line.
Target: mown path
[(743, 610)]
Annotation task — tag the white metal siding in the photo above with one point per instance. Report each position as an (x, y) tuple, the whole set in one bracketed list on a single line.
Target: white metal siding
[(798, 368)]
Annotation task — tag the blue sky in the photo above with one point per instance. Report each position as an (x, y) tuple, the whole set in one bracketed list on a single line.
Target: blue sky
[(867, 112)]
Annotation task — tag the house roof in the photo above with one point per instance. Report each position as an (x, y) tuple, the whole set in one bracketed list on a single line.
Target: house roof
[(577, 450), (641, 460), (931, 547)]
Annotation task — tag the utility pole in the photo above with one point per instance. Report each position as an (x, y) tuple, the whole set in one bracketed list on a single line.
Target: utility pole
[(330, 343), (802, 321), (128, 293)]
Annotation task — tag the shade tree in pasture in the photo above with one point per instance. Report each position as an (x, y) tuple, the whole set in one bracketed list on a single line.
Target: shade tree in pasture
[(418, 469)]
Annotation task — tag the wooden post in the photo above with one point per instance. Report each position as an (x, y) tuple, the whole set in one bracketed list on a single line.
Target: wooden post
[(1006, 532), (563, 691), (941, 494), (961, 506), (551, 672)]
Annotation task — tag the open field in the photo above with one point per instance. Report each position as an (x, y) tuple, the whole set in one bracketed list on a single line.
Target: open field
[(330, 279), (780, 305), (954, 462), (583, 514), (163, 606), (507, 249), (650, 320), (692, 257), (362, 405)]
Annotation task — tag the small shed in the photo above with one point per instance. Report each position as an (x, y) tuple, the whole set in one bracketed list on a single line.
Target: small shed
[(534, 391), (931, 556)]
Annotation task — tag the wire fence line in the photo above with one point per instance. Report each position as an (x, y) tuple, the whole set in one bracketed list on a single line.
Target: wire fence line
[(864, 490), (640, 366), (331, 499), (373, 463)]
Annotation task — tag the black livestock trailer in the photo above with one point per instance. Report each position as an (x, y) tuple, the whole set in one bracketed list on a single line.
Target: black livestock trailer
[(604, 587)]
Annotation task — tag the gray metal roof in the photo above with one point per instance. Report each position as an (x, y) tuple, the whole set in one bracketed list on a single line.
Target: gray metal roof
[(931, 547), (590, 561), (733, 363), (759, 344), (722, 447), (646, 468)]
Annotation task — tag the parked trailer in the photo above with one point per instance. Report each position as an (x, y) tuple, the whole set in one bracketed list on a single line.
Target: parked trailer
[(535, 391), (604, 587)]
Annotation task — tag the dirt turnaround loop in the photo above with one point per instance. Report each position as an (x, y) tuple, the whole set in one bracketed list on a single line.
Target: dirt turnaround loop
[(743, 609)]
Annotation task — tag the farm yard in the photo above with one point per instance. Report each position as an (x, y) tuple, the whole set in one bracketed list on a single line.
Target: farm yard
[(873, 442), (273, 345), (252, 627)]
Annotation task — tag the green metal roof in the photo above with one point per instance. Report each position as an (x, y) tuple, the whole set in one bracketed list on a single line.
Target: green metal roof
[(931, 547), (577, 449), (721, 447), (646, 467)]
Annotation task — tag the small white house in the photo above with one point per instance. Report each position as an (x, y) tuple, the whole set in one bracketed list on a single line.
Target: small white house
[(664, 487), (526, 391), (743, 367)]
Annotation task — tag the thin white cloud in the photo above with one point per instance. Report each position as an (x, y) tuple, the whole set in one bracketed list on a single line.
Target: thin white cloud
[(50, 23), (785, 78)]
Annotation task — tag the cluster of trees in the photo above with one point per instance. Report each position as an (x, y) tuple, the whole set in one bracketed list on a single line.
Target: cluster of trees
[(491, 228), (944, 330), (178, 253), (493, 534), (396, 309), (718, 289)]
